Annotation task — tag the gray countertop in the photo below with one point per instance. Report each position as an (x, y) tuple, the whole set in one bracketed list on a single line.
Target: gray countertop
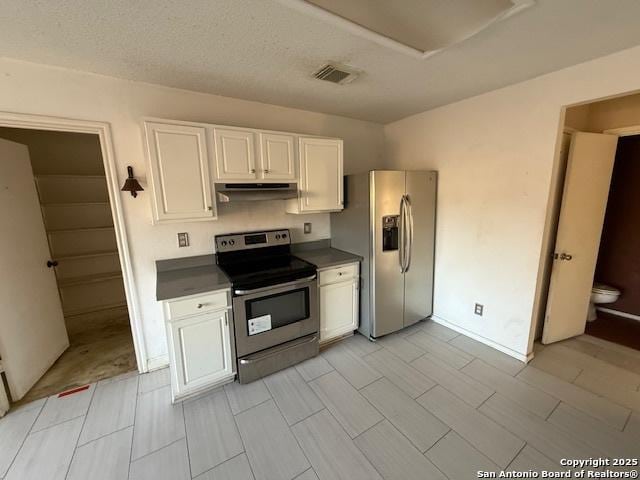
[(187, 276), (328, 257), (180, 277)]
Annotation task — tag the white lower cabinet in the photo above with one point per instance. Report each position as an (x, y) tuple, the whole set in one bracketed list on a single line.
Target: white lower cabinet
[(339, 301), (201, 351)]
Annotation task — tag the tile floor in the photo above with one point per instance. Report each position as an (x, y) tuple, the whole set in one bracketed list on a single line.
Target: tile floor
[(423, 403)]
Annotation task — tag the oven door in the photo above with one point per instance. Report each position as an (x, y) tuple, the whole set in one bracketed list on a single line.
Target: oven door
[(270, 316)]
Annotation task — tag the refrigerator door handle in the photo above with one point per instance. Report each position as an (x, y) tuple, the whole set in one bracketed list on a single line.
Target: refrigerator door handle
[(401, 229), (409, 210)]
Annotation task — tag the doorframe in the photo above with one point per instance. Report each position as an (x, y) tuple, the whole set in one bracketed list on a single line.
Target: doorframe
[(549, 239), (624, 131), (538, 324), (103, 131)]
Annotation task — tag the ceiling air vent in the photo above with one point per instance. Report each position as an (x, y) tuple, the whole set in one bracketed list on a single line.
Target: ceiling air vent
[(334, 73)]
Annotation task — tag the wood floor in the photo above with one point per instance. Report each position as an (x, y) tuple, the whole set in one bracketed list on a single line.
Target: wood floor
[(425, 403), (616, 329)]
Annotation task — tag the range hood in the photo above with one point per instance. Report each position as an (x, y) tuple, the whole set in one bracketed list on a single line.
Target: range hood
[(255, 192)]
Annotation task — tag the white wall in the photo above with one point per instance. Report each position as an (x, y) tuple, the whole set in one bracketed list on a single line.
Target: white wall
[(495, 154), (614, 113), (577, 117), (59, 153), (42, 90)]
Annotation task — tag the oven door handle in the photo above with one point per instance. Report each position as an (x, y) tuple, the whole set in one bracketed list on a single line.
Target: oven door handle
[(272, 287)]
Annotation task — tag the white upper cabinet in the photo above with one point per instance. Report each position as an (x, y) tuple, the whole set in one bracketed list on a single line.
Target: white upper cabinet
[(277, 156), (235, 154), (320, 185), (183, 172), (179, 167)]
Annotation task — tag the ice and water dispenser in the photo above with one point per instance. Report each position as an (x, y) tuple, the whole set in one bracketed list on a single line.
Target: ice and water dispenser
[(390, 225)]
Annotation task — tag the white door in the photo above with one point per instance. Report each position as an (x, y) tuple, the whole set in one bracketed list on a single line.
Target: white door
[(277, 156), (179, 165), (584, 201), (201, 351), (4, 399), (320, 174), (235, 154), (338, 309), (32, 329)]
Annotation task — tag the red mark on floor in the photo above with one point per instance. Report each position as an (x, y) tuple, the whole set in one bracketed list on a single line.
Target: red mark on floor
[(73, 390)]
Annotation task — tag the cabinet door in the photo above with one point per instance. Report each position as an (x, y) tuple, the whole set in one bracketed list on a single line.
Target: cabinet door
[(320, 174), (338, 309), (200, 351), (235, 154), (179, 165), (277, 156)]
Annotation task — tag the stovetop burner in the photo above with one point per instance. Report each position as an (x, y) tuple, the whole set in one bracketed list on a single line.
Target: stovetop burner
[(270, 271), (260, 259)]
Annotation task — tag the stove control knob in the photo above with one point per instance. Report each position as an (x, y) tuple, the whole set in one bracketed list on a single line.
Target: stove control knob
[(284, 235), (277, 236), (223, 243), (232, 242)]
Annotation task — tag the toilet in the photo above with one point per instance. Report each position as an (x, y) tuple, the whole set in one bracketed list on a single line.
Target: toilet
[(601, 294)]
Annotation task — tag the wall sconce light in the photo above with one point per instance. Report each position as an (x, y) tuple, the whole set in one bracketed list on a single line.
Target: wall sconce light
[(131, 184)]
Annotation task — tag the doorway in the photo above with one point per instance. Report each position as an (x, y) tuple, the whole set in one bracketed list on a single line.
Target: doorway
[(616, 315), (76, 219), (593, 283)]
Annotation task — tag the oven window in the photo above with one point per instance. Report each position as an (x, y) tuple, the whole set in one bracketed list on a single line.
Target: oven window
[(285, 308)]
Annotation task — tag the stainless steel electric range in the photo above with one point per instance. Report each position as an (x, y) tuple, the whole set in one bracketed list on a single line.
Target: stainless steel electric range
[(275, 301)]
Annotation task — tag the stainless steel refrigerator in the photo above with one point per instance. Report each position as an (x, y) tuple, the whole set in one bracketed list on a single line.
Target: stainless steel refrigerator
[(389, 219)]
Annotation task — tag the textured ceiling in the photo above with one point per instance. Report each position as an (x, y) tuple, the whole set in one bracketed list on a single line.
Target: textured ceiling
[(424, 25), (266, 51)]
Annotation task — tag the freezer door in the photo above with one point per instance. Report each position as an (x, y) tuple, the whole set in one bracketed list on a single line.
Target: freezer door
[(418, 276), (387, 284)]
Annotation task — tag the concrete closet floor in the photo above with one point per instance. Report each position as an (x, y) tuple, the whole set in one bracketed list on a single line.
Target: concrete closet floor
[(92, 356)]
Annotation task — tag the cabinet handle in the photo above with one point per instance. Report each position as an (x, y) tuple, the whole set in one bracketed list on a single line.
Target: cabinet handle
[(226, 321), (253, 170), (209, 208), (266, 171), (340, 274), (200, 305)]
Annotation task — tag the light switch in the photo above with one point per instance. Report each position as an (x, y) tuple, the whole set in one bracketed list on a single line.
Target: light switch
[(307, 227), (183, 239)]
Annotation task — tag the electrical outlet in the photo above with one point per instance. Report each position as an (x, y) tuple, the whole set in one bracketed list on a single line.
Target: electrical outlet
[(183, 239), (307, 227), (478, 309)]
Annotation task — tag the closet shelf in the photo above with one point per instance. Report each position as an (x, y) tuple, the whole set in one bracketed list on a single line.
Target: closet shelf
[(95, 278)]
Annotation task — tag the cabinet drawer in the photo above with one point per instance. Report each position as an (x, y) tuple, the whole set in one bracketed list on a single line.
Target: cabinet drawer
[(339, 274), (197, 304)]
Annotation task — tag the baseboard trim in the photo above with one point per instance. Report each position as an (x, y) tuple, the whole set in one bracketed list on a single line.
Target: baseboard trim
[(506, 350), (156, 363), (619, 313)]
